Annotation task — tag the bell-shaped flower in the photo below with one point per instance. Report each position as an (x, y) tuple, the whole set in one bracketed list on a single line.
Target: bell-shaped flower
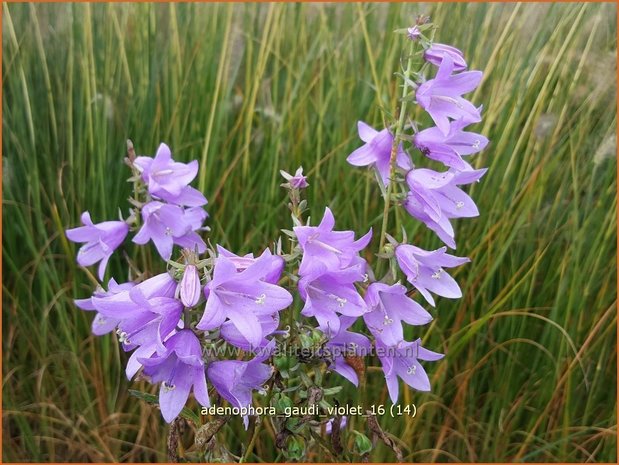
[(167, 225), (402, 360), (189, 287), (169, 180), (376, 152), (242, 297), (435, 197), (323, 247), (131, 308), (276, 265), (236, 380), (100, 324), (449, 148), (328, 294), (436, 52), (179, 368), (345, 345), (389, 306), (424, 270), (442, 98), (100, 241)]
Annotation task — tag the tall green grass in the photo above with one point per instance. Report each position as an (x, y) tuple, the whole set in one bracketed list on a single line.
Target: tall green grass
[(247, 89)]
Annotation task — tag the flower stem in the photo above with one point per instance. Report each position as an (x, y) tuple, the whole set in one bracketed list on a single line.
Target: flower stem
[(396, 142)]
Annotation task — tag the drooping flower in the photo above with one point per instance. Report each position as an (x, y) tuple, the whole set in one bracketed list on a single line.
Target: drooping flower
[(268, 326), (442, 98), (435, 197), (167, 225), (389, 306), (345, 345), (324, 248), (236, 380), (449, 148), (169, 180), (376, 152), (328, 294), (100, 241), (189, 287), (436, 52), (424, 270), (298, 181), (178, 367), (402, 360), (100, 324), (143, 313), (241, 297), (276, 266)]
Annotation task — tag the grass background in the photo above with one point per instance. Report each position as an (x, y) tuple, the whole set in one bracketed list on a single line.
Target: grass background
[(530, 372)]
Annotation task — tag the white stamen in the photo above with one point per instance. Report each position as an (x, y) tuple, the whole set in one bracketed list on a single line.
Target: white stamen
[(437, 274), (459, 205), (476, 144), (341, 302), (411, 370), (260, 300), (167, 387)]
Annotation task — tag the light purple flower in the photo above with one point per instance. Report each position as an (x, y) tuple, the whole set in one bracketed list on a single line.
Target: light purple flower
[(268, 325), (298, 181), (276, 265), (242, 297), (344, 344), (442, 98), (413, 33), (402, 360), (189, 287), (329, 294), (169, 180), (449, 148), (235, 380), (377, 152), (322, 247), (167, 225), (435, 197), (144, 314), (100, 324), (101, 240), (389, 306), (437, 52), (424, 270), (178, 367)]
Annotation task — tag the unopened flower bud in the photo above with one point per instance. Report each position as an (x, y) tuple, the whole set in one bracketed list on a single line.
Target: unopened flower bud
[(190, 286)]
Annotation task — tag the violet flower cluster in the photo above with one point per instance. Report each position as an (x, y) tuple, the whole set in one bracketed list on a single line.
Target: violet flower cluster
[(209, 297), (432, 197), (154, 319)]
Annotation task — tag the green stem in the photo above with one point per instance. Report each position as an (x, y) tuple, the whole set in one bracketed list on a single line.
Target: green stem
[(396, 142)]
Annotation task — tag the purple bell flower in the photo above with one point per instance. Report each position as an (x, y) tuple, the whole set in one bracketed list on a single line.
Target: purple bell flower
[(276, 266), (442, 98), (449, 148), (389, 306), (167, 225), (189, 287), (101, 240), (424, 270), (324, 248), (402, 360), (241, 297), (169, 180), (437, 52), (268, 326), (235, 380), (329, 294), (100, 324), (435, 197), (377, 152), (178, 367)]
